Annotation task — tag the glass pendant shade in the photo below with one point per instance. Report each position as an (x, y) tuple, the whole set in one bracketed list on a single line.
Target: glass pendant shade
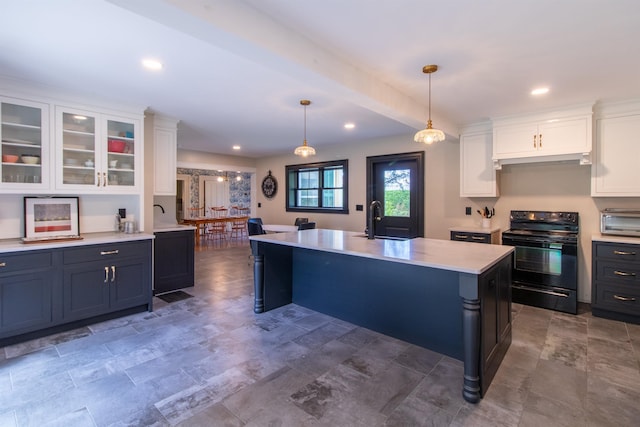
[(305, 150), (429, 135)]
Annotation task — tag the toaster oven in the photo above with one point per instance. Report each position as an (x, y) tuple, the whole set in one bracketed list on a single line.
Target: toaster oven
[(623, 222)]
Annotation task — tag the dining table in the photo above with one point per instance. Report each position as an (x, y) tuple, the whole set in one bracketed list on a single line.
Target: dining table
[(201, 223)]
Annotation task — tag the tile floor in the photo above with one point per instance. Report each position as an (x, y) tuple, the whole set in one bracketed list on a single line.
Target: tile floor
[(210, 361)]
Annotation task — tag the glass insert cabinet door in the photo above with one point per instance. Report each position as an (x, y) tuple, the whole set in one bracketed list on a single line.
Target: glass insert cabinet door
[(98, 151), (121, 152), (23, 128), (79, 149)]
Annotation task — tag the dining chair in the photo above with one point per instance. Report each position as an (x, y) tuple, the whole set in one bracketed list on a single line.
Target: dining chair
[(307, 226), (196, 212), (238, 228), (254, 226), (300, 221)]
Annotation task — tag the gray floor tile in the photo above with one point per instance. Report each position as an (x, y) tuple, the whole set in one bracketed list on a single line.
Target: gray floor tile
[(209, 360)]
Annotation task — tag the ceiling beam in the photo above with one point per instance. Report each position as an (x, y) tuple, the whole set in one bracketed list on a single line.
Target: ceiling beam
[(238, 28)]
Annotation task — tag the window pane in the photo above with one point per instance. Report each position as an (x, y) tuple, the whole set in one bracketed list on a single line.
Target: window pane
[(332, 198), (397, 186), (333, 177), (308, 179), (307, 198)]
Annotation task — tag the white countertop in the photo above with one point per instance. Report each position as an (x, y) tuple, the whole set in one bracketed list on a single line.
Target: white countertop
[(161, 228), (463, 257), (16, 245), (616, 239), (475, 229)]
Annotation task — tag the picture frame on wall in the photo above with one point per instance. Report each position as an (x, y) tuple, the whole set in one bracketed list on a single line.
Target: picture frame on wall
[(51, 218)]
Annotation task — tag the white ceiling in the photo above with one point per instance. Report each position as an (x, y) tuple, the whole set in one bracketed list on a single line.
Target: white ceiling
[(236, 70)]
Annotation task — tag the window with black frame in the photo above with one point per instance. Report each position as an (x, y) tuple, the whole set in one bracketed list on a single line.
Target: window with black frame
[(318, 187)]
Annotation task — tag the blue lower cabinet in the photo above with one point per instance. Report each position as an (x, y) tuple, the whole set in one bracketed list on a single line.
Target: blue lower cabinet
[(43, 292)]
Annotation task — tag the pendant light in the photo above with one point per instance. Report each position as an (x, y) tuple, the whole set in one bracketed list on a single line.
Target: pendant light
[(305, 150), (429, 135)]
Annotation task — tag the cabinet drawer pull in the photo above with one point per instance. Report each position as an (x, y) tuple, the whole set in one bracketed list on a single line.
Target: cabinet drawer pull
[(477, 238), (621, 298), (3, 264), (460, 236), (623, 273), (106, 274), (623, 253), (113, 252), (113, 273)]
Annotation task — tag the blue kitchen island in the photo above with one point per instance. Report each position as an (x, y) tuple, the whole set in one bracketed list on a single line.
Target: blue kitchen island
[(450, 297)]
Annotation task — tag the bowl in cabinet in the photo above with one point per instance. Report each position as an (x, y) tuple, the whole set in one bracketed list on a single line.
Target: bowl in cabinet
[(30, 159), (116, 146)]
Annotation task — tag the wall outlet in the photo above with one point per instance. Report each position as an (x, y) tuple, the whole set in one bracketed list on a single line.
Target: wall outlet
[(359, 207), (467, 210)]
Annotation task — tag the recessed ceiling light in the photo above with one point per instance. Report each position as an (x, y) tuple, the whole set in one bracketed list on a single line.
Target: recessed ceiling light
[(236, 147), (349, 125), (540, 91), (152, 64)]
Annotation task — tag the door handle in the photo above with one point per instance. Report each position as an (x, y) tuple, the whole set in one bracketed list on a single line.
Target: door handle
[(113, 252), (97, 179), (623, 273), (623, 253), (621, 298)]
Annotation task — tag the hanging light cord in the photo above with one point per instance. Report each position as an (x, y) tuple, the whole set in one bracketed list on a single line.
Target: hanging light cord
[(305, 125)]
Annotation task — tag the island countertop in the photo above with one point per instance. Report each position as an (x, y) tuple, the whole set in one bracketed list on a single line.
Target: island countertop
[(463, 257)]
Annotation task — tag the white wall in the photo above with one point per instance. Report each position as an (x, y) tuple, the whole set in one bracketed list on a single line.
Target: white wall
[(557, 186)]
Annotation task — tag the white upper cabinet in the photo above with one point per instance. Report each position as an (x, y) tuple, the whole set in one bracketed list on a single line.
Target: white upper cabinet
[(97, 152), (551, 136), (24, 128), (165, 152), (615, 170), (477, 175)]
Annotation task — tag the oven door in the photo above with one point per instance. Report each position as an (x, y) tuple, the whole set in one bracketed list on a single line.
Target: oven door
[(540, 262)]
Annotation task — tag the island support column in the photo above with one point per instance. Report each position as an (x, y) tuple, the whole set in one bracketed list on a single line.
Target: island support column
[(258, 278), (471, 336)]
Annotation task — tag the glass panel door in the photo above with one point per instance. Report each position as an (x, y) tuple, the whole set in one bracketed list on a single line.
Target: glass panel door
[(121, 149), (22, 154), (78, 149)]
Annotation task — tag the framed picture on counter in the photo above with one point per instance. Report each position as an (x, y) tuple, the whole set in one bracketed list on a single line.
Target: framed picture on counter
[(51, 218)]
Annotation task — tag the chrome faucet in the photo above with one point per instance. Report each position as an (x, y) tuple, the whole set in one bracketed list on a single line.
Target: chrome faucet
[(375, 206), (160, 206)]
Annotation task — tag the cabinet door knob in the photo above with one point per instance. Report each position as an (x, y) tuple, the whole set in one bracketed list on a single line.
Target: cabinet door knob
[(106, 274), (621, 298)]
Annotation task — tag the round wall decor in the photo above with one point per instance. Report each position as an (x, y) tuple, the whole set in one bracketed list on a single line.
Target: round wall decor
[(269, 186)]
